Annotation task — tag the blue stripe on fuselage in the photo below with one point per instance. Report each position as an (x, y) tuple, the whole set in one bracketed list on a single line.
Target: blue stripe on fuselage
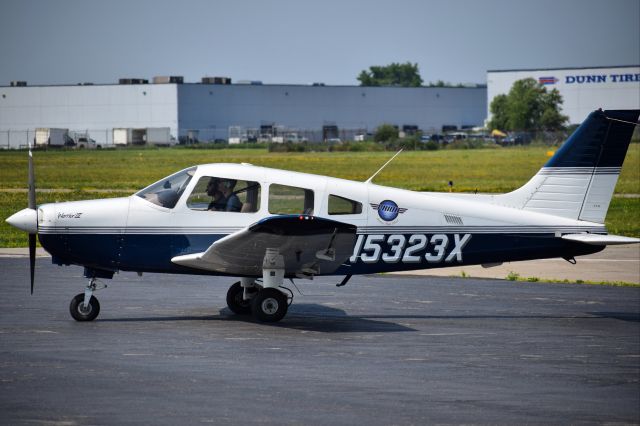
[(153, 253)]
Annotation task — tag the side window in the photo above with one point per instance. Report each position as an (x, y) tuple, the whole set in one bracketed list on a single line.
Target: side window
[(341, 205), (290, 200), (222, 194)]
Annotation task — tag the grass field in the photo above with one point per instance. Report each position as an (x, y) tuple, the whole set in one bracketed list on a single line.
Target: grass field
[(73, 175)]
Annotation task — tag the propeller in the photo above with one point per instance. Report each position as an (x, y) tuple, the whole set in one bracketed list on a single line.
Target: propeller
[(27, 219), (32, 205)]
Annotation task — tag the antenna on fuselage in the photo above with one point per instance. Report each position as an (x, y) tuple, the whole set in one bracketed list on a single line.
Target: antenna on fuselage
[(385, 165)]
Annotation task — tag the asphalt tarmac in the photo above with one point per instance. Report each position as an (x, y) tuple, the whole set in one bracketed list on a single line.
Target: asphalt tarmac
[(381, 350)]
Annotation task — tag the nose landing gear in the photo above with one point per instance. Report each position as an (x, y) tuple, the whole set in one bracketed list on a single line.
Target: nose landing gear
[(85, 306)]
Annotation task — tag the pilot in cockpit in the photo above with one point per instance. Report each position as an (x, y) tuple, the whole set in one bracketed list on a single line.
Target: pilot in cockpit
[(214, 193), (223, 197)]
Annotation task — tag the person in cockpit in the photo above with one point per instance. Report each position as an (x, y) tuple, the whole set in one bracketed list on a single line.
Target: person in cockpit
[(223, 197), (215, 194)]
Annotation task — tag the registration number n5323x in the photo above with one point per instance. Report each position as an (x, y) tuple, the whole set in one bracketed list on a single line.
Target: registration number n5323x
[(414, 248)]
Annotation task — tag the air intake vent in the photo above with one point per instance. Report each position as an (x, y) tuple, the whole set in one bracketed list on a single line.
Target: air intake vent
[(453, 219)]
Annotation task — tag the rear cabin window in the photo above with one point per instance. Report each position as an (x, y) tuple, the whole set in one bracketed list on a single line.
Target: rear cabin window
[(290, 200), (213, 193), (341, 205)]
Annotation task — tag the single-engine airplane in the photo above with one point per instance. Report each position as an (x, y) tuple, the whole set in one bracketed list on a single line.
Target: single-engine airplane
[(265, 225)]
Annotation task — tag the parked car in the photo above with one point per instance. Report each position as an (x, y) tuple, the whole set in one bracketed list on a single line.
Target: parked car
[(520, 138), (433, 138), (86, 143)]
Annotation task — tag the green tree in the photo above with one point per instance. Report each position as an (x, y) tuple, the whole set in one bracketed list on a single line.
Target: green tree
[(395, 74), (551, 119), (385, 133), (528, 106), (499, 117)]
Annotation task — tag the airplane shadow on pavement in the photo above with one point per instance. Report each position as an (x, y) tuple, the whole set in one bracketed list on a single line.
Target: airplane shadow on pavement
[(320, 318), (305, 317)]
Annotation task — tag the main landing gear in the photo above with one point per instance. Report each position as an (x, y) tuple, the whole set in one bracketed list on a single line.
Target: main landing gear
[(265, 301), (267, 304), (85, 306)]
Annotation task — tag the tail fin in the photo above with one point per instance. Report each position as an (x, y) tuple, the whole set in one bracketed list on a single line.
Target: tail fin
[(579, 180)]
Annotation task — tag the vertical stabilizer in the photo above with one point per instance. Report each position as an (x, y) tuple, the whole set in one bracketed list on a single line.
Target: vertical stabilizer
[(579, 180)]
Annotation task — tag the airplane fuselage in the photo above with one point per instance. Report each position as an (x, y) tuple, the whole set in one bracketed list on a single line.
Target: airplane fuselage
[(396, 229)]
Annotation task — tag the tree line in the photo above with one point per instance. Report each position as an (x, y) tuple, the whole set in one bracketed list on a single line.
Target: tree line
[(527, 107)]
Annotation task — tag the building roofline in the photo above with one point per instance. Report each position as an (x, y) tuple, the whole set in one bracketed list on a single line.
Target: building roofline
[(565, 68), (476, 86)]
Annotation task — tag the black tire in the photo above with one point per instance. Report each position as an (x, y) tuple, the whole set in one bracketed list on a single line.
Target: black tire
[(235, 300), (269, 305), (79, 314)]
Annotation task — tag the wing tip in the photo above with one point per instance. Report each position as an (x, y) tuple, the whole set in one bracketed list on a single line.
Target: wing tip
[(601, 240)]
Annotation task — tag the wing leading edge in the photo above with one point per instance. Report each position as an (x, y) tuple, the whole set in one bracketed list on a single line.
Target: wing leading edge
[(310, 245)]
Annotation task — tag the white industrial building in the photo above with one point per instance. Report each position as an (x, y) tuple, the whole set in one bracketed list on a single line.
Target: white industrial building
[(583, 89), (165, 112)]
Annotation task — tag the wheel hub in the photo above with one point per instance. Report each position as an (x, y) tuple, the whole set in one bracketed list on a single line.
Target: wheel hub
[(270, 306), (84, 310)]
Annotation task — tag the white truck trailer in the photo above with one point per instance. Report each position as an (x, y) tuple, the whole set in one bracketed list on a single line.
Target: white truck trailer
[(53, 137)]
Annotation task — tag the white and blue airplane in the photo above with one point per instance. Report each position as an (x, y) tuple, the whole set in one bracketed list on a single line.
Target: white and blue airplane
[(265, 225)]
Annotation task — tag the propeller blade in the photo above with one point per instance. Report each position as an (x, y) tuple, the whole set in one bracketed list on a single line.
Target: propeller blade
[(32, 257), (32, 205), (32, 183)]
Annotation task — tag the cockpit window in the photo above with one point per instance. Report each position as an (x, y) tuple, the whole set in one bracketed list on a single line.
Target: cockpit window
[(166, 192), (226, 195)]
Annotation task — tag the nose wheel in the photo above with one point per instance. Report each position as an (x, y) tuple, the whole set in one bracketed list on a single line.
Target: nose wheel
[(85, 306), (80, 312)]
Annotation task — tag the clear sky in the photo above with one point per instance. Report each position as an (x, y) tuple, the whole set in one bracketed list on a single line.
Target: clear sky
[(289, 41)]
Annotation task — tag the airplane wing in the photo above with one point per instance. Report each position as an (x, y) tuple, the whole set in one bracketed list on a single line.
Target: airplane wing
[(310, 245), (600, 240)]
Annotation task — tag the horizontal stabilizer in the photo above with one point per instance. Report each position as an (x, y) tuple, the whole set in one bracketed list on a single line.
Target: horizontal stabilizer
[(305, 242), (601, 240)]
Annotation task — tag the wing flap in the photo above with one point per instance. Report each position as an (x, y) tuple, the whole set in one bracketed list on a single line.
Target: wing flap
[(308, 244), (600, 240)]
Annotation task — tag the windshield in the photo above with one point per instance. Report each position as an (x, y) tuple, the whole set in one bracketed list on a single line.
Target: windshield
[(166, 192)]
